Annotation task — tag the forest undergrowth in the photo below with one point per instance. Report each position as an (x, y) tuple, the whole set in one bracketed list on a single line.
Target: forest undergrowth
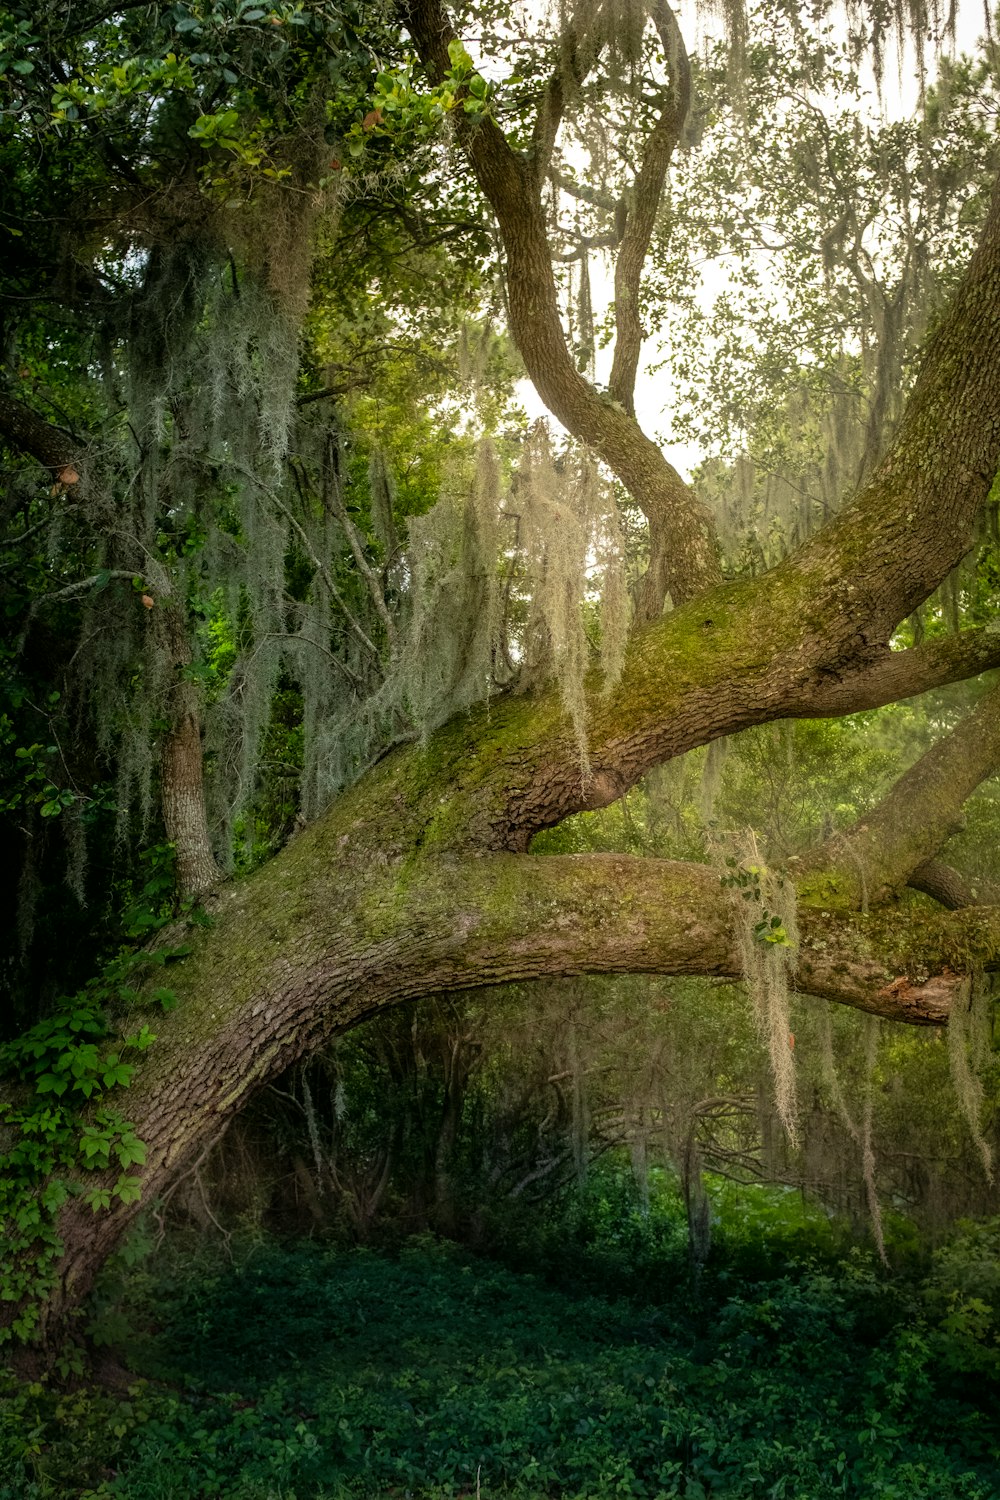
[(793, 1366)]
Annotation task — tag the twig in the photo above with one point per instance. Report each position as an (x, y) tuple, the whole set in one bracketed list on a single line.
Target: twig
[(367, 573), (317, 563)]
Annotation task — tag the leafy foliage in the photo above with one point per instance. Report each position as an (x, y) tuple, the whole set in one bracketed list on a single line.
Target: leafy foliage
[(60, 1119), (305, 1372)]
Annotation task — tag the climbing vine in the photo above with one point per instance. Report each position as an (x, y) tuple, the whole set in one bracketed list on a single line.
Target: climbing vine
[(61, 1127)]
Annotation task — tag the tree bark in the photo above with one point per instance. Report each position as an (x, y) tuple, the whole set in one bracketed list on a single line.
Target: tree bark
[(31, 434), (949, 888), (182, 784)]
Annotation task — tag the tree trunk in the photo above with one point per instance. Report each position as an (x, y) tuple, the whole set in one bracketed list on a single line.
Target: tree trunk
[(182, 786)]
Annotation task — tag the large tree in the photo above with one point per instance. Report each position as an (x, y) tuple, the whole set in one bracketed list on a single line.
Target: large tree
[(419, 878)]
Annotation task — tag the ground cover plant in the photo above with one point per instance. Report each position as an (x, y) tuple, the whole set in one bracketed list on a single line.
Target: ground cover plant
[(302, 1371)]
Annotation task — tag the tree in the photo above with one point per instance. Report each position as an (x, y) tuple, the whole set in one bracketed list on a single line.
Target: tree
[(419, 878)]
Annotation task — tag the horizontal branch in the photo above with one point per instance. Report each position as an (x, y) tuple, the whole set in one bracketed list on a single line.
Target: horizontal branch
[(950, 888), (285, 967), (896, 675), (73, 590), (29, 433), (618, 914)]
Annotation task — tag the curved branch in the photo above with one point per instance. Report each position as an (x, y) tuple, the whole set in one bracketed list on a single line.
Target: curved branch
[(896, 675), (951, 889), (283, 970), (31, 434), (578, 56)]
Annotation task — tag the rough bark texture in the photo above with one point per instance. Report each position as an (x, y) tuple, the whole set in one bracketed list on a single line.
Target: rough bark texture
[(895, 675), (182, 797), (30, 433), (951, 889)]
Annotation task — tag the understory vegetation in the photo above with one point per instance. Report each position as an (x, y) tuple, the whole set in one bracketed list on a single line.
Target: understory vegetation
[(292, 1369)]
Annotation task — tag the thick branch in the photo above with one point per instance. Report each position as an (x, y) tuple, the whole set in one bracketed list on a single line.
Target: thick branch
[(913, 521), (950, 888), (643, 204), (284, 969), (895, 675), (883, 849)]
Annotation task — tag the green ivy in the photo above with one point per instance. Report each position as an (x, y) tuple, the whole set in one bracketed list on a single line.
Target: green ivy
[(769, 927), (62, 1122)]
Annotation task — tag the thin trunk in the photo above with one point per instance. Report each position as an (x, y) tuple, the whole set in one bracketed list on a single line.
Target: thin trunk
[(182, 786)]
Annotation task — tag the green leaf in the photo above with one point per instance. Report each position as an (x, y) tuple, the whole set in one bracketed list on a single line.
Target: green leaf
[(459, 58), (51, 1083), (128, 1189), (54, 1195), (119, 1076), (131, 1151), (143, 1038)]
